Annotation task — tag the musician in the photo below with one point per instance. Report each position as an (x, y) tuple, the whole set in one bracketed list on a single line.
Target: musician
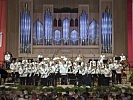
[(122, 57), (53, 70), (102, 57), (115, 59), (71, 72), (95, 71), (75, 68), (70, 67), (22, 75), (78, 58), (98, 76), (80, 74), (93, 63), (63, 71), (37, 74), (25, 72), (30, 73), (18, 65), (113, 69), (107, 74), (39, 57), (118, 73), (44, 73), (8, 58), (13, 68), (87, 75)]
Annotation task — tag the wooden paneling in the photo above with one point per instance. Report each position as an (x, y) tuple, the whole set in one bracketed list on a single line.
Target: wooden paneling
[(119, 15), (120, 26)]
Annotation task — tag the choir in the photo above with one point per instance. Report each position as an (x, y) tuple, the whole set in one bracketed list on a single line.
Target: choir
[(61, 70)]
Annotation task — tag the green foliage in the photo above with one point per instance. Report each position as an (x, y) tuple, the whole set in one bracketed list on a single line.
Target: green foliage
[(131, 78), (62, 89)]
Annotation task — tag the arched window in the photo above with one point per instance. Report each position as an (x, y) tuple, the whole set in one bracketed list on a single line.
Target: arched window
[(83, 28), (66, 24), (59, 23), (48, 27), (55, 22), (106, 35), (71, 23), (57, 37), (93, 33), (76, 22), (25, 30), (74, 38), (38, 33)]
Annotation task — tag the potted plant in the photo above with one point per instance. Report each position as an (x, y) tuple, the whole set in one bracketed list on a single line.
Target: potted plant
[(131, 79)]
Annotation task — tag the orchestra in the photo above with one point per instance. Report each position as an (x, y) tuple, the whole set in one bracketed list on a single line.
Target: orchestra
[(64, 71)]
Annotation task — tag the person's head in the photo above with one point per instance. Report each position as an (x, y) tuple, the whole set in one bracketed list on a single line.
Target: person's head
[(76, 90), (67, 92), (87, 89)]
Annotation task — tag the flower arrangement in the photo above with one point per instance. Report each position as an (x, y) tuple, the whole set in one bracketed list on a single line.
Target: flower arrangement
[(131, 79), (62, 89)]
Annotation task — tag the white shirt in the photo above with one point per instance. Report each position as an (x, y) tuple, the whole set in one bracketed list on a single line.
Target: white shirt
[(118, 68), (12, 66), (63, 69), (107, 72), (122, 58), (7, 57), (102, 57)]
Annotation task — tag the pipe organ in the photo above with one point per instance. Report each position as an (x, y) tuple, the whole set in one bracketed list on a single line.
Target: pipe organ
[(47, 28)]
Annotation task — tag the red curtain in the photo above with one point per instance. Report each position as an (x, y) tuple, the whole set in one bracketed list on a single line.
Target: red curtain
[(3, 29), (130, 33)]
